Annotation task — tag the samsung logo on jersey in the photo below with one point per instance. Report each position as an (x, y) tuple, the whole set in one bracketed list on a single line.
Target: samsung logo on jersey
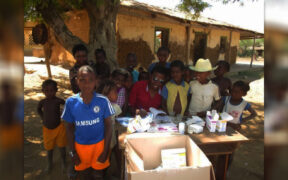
[(87, 122)]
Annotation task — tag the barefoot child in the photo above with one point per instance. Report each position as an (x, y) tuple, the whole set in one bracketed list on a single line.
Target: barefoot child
[(235, 104), (175, 92), (88, 117), (53, 129), (223, 83), (203, 91)]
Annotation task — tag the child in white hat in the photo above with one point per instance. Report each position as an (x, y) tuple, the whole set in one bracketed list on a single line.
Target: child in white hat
[(203, 91)]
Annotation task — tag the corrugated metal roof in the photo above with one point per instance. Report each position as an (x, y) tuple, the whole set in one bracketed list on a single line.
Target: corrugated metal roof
[(183, 16)]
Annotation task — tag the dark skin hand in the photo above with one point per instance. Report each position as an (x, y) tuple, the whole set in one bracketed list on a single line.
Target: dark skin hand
[(107, 140), (164, 105), (141, 112), (186, 113), (70, 128), (215, 105), (237, 127), (201, 114), (252, 115)]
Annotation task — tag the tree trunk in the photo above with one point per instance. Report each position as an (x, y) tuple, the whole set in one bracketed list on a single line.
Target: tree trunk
[(103, 29), (48, 51), (102, 33)]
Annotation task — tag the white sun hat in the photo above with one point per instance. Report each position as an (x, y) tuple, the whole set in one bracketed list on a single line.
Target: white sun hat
[(202, 65)]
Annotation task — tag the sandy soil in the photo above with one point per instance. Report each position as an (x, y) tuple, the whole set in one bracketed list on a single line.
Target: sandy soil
[(248, 159)]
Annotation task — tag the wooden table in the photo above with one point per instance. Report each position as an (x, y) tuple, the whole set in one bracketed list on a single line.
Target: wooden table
[(221, 145)]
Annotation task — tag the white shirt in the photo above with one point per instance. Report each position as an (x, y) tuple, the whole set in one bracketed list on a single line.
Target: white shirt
[(202, 96), (235, 110)]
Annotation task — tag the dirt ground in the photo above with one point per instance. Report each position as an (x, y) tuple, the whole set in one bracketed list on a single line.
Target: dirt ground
[(248, 159)]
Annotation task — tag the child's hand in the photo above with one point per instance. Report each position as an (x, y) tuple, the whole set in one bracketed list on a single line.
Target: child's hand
[(102, 158), (141, 112), (187, 114), (201, 114), (237, 127)]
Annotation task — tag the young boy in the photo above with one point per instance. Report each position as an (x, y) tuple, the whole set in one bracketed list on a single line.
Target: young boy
[(162, 54), (53, 129), (223, 83), (88, 117), (131, 63), (175, 92), (144, 75), (188, 74), (101, 68), (235, 104), (203, 91), (80, 54)]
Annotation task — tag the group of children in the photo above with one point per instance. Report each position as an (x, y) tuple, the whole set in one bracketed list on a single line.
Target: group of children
[(101, 96)]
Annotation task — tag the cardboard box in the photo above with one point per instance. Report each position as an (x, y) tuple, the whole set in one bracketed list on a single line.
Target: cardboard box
[(144, 150)]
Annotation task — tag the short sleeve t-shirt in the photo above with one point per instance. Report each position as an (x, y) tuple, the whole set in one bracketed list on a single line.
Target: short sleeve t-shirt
[(135, 76), (88, 118), (140, 97), (235, 110), (202, 96)]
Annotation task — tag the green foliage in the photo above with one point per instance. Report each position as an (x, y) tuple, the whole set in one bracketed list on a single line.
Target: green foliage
[(30, 12), (246, 46), (193, 6)]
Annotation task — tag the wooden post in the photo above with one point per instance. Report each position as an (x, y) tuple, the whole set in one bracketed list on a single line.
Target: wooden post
[(47, 61), (229, 48), (252, 52), (188, 29), (48, 51)]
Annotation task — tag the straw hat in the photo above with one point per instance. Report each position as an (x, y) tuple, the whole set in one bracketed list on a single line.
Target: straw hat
[(202, 65)]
